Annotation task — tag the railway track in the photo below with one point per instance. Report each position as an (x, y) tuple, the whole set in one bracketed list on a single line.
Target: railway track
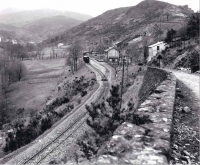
[(73, 127), (105, 82)]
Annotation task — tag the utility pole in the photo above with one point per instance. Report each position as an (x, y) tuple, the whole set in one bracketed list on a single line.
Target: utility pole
[(122, 82), (160, 30), (127, 60)]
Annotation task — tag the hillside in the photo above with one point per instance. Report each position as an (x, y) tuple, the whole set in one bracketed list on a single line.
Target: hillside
[(22, 18), (129, 21), (51, 26), (77, 16), (11, 32)]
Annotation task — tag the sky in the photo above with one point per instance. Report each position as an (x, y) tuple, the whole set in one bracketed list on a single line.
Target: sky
[(90, 7)]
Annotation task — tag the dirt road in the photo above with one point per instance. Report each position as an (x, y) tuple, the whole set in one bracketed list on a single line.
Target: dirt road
[(186, 124), (191, 80)]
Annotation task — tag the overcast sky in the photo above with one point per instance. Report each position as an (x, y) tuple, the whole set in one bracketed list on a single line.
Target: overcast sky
[(91, 7)]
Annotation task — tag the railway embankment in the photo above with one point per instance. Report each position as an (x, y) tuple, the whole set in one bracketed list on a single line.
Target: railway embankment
[(149, 141), (62, 136)]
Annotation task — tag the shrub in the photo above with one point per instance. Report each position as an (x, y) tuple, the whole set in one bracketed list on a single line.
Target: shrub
[(89, 143), (128, 84), (140, 69), (83, 93), (46, 123), (60, 101), (79, 101), (179, 50), (71, 106)]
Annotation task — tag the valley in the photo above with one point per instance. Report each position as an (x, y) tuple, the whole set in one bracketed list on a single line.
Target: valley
[(118, 88)]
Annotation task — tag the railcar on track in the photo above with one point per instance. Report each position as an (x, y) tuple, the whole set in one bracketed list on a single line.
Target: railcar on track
[(86, 59)]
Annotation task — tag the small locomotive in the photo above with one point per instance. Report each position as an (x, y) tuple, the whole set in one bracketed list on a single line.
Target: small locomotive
[(86, 59)]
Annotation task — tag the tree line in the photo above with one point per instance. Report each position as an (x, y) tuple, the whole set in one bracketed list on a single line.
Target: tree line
[(11, 70)]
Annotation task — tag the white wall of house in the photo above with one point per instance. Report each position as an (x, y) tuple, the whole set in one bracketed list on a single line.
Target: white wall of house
[(14, 41), (113, 53), (154, 49), (60, 45)]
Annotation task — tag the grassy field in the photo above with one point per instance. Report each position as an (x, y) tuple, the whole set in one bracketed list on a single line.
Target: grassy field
[(32, 92), (28, 96), (59, 51)]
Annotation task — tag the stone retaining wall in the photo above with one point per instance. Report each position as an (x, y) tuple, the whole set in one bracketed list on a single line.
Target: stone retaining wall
[(147, 143), (152, 78)]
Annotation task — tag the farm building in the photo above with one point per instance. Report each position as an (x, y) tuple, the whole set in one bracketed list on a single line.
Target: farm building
[(14, 42), (60, 45), (155, 48), (94, 53), (112, 54)]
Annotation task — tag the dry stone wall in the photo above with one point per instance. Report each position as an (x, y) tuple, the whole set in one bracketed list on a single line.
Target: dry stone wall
[(152, 78), (147, 143)]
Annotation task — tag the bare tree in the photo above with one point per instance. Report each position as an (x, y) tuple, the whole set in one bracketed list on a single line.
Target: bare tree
[(75, 53), (100, 48), (20, 70), (145, 49), (70, 62), (134, 54), (183, 33)]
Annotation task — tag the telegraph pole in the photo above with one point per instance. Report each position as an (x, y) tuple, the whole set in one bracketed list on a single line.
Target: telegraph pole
[(127, 60), (122, 82)]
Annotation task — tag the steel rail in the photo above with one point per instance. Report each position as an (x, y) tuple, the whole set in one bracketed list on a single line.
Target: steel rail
[(77, 120)]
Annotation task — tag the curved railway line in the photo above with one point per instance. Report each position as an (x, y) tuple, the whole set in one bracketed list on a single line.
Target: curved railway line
[(73, 127)]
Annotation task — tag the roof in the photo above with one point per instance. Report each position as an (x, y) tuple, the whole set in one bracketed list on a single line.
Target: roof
[(118, 42), (110, 48), (86, 52), (176, 39), (156, 44), (113, 57), (135, 39)]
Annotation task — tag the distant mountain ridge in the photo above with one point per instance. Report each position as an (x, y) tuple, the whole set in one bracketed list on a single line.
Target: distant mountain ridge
[(26, 16), (38, 24), (123, 22), (12, 32)]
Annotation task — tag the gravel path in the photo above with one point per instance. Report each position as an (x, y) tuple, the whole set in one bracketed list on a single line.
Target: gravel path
[(192, 81), (185, 139), (185, 142)]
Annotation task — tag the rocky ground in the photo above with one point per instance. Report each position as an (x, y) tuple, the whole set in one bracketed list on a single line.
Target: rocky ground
[(185, 141)]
